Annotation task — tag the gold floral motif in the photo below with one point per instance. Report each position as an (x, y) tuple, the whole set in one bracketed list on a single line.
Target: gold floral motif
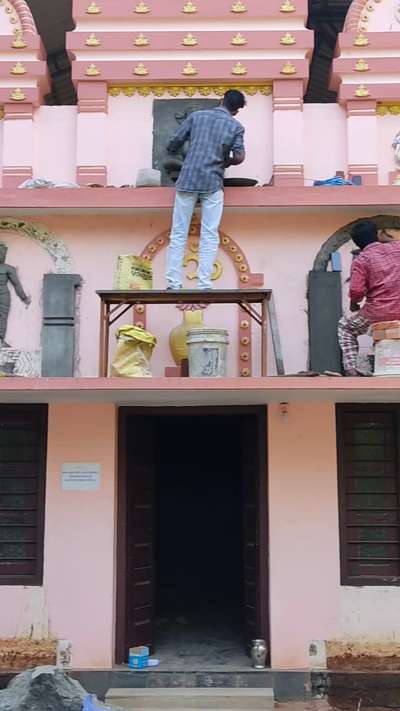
[(239, 69), (361, 91), (189, 69), (18, 68), (141, 70), (361, 41), (92, 41), (288, 68), (189, 40), (370, 7), (93, 9), (176, 90), (17, 95), (288, 39), (13, 20), (141, 41), (189, 8), (19, 42), (238, 7), (288, 6), (8, 10), (361, 66), (238, 39), (141, 8), (92, 71), (384, 109)]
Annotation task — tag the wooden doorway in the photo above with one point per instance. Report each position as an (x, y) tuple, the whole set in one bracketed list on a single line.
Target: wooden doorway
[(159, 469)]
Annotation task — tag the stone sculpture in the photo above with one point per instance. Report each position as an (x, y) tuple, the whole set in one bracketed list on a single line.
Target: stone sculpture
[(8, 274), (396, 146)]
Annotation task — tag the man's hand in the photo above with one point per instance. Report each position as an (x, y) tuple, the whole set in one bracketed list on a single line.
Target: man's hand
[(354, 306)]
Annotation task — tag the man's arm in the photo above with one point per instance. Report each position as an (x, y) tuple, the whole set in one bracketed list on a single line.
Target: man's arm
[(358, 282), (181, 135), (237, 149)]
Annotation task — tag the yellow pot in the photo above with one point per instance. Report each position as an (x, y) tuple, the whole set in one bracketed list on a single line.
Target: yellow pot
[(177, 337)]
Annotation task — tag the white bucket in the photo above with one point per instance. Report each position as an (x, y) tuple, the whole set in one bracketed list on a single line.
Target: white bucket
[(207, 352), (387, 357)]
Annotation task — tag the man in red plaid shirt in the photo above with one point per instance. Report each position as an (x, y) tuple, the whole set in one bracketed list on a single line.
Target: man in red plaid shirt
[(375, 277)]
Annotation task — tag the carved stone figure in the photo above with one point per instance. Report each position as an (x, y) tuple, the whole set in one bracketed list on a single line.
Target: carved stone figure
[(396, 146), (8, 274), (168, 114)]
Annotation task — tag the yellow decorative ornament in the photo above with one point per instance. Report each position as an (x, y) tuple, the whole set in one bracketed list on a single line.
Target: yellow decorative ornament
[(189, 69), (92, 41), (288, 7), (141, 8), (288, 68), (92, 71), (361, 41), (18, 69), (361, 66), (239, 69), (238, 40), (361, 91), (141, 70), (189, 40), (189, 8), (288, 39), (141, 41), (17, 95), (93, 9), (19, 42), (238, 7)]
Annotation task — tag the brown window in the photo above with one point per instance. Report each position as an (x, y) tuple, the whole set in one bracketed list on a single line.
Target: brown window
[(23, 432), (369, 488)]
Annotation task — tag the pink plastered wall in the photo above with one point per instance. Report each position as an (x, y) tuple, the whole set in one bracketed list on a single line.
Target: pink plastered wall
[(303, 530), (388, 128), (280, 246), (77, 599)]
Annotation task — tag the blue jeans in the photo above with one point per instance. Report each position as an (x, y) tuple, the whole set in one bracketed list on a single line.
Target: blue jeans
[(212, 205)]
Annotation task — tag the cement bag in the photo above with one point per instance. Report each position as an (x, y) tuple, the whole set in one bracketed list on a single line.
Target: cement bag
[(133, 273), (133, 353)]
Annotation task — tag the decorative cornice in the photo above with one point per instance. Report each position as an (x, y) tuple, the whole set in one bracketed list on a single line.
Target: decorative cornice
[(386, 109), (186, 90)]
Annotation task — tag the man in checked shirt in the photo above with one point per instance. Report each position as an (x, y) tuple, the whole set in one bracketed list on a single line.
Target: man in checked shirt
[(215, 142), (375, 277)]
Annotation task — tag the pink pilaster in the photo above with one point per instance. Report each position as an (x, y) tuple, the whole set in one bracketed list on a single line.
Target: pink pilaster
[(288, 132), (17, 144), (362, 141), (92, 133)]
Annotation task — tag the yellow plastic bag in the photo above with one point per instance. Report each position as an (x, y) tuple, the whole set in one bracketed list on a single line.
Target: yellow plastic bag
[(133, 273), (133, 353)]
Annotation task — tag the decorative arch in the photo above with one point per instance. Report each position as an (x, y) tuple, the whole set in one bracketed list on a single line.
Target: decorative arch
[(343, 235), (25, 15), (246, 279), (53, 245)]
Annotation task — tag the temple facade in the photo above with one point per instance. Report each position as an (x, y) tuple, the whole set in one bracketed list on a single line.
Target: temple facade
[(259, 505)]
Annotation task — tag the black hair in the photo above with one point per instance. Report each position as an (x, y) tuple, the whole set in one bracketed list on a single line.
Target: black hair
[(233, 100), (364, 233)]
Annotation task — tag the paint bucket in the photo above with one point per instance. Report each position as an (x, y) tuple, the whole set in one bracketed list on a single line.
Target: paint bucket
[(207, 352), (387, 357)]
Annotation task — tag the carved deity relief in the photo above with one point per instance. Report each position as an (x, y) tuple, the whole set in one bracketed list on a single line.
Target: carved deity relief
[(8, 275), (168, 114), (396, 146)]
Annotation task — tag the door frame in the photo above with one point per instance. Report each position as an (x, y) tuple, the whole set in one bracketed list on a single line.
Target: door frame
[(260, 411)]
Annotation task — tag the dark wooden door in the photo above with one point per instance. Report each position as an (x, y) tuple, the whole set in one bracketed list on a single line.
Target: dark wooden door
[(255, 560), (136, 505)]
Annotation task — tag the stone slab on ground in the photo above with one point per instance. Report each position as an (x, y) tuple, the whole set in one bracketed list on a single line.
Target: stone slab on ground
[(196, 698)]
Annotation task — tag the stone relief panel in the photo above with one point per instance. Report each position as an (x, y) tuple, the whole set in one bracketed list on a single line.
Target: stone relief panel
[(168, 114)]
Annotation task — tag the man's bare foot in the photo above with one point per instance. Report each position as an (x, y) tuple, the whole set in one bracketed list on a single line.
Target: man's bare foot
[(4, 344)]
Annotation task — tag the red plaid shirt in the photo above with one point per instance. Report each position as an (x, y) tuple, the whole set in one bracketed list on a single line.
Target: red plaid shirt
[(375, 276)]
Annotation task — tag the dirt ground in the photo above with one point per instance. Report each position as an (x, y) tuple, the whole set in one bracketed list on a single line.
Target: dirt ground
[(368, 656), (21, 654)]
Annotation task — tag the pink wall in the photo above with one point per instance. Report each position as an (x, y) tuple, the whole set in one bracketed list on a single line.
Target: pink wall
[(55, 143), (79, 537), (325, 141), (304, 545), (388, 127)]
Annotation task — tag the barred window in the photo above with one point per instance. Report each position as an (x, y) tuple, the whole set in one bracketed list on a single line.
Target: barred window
[(369, 509), (23, 434)]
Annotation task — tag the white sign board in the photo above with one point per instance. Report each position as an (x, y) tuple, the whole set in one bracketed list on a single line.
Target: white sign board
[(81, 476)]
